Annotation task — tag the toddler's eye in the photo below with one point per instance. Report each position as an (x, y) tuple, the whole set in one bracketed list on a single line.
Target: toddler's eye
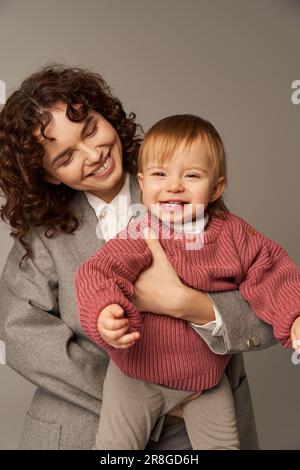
[(158, 173), (193, 175)]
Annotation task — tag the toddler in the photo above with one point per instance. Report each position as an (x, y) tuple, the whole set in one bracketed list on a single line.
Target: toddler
[(182, 175)]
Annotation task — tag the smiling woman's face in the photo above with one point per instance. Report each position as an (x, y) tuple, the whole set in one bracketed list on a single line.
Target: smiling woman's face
[(86, 156)]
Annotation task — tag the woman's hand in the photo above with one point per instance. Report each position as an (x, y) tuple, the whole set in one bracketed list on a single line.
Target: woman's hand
[(159, 289)]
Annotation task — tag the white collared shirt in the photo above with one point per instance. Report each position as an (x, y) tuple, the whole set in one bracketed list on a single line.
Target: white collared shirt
[(113, 217)]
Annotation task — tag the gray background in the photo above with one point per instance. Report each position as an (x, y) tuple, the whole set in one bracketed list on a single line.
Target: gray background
[(230, 61)]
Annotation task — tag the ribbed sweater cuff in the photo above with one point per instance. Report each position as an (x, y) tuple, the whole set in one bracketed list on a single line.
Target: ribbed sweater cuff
[(90, 312)]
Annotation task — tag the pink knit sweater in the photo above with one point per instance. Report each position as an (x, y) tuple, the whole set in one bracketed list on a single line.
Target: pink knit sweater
[(170, 352)]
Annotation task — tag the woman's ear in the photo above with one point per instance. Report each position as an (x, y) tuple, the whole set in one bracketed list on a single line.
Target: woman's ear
[(218, 189), (51, 179), (140, 178)]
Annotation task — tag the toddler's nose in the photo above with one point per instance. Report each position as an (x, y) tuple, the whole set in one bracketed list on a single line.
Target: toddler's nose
[(175, 185)]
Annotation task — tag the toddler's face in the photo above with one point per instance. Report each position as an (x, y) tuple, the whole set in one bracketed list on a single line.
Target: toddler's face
[(181, 188)]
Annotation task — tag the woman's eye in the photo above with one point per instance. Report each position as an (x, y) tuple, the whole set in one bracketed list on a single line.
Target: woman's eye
[(67, 159), (92, 132)]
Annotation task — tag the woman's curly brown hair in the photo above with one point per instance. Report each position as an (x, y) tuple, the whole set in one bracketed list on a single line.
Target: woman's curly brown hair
[(29, 198)]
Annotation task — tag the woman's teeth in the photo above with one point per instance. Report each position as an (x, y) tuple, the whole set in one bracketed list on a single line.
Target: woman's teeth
[(103, 167)]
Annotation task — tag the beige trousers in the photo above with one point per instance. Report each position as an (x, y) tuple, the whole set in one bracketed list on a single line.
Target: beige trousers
[(131, 408)]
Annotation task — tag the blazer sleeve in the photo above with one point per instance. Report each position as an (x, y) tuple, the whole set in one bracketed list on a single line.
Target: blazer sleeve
[(108, 278), (241, 330), (271, 284), (39, 345)]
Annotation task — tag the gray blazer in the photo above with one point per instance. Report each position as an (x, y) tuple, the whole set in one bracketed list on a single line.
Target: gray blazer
[(46, 344)]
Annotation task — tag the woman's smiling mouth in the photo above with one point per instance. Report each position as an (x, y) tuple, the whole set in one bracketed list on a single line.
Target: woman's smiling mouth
[(105, 169)]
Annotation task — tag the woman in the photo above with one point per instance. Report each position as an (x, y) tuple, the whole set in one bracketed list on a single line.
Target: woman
[(67, 153)]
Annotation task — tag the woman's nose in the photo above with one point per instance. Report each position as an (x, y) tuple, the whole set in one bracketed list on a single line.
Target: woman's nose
[(91, 154)]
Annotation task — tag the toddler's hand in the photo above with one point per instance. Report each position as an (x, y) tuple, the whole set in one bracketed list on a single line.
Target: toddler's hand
[(295, 335), (113, 325)]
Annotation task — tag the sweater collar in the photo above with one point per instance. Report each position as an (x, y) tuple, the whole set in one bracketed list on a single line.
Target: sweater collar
[(189, 227), (212, 226), (213, 229)]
